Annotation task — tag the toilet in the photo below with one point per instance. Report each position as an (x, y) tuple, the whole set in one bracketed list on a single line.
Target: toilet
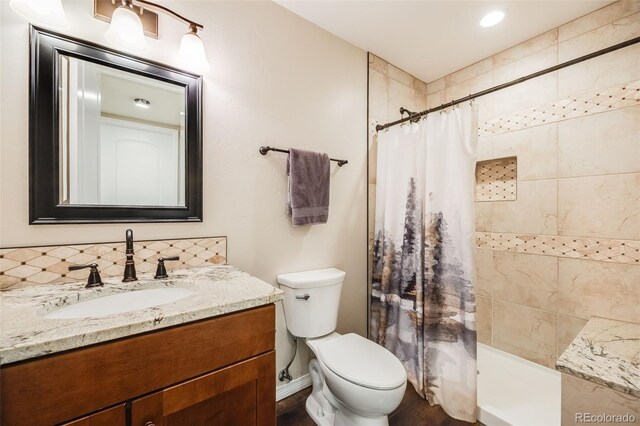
[(355, 381)]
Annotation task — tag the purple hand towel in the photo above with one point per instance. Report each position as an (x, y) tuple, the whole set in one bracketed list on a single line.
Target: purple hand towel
[(309, 181)]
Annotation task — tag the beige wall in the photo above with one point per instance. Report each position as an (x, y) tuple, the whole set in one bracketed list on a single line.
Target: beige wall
[(266, 86), (568, 247)]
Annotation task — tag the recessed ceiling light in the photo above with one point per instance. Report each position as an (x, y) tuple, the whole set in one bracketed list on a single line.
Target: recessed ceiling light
[(492, 18), (142, 103)]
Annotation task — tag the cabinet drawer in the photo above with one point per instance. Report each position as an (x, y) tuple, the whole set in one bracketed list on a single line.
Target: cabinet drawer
[(115, 416), (242, 394)]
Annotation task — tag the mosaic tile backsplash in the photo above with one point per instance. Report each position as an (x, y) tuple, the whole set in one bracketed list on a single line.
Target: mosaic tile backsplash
[(43, 265)]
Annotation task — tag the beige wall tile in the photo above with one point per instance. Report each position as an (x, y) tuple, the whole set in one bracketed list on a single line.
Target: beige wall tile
[(373, 156), (484, 319), (526, 48), (600, 206), (582, 396), (526, 279), (599, 38), (600, 17), (467, 87), (538, 91), (469, 72), (483, 216), (535, 210), (526, 332), (400, 75), (618, 67), (484, 272), (537, 61), (435, 99), (378, 94), (590, 288), (399, 96), (568, 329), (378, 64), (603, 143), (435, 86), (536, 149), (485, 148)]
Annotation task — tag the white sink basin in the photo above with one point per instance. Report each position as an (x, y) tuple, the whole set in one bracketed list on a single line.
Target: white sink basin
[(120, 303)]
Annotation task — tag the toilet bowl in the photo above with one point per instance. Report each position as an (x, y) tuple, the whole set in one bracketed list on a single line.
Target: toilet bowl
[(355, 381)]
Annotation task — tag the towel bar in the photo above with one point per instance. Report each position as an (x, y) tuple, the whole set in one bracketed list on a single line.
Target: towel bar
[(265, 149)]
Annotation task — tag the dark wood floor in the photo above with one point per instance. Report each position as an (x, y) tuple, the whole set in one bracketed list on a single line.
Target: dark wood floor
[(413, 411)]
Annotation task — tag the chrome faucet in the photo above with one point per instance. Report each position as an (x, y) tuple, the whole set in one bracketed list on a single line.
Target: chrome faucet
[(129, 265)]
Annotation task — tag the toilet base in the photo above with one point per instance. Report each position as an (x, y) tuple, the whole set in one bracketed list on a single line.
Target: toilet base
[(326, 410)]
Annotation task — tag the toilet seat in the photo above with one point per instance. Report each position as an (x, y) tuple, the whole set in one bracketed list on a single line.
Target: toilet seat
[(362, 362)]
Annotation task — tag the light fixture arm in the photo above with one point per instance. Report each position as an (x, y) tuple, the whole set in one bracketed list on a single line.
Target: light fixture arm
[(145, 4)]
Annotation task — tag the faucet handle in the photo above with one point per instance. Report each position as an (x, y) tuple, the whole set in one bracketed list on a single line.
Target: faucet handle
[(161, 271), (94, 279)]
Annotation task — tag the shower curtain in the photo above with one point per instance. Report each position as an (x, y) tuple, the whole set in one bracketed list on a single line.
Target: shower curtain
[(423, 300)]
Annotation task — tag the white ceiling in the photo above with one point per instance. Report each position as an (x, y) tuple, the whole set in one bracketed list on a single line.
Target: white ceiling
[(429, 38)]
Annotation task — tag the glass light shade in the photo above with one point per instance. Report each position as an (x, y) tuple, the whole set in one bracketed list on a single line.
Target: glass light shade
[(126, 30), (492, 18), (192, 55), (48, 13)]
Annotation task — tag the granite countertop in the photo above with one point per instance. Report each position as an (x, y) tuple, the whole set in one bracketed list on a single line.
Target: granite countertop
[(25, 333), (606, 352)]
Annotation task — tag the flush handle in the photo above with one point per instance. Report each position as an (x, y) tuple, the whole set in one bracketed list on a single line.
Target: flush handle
[(303, 296)]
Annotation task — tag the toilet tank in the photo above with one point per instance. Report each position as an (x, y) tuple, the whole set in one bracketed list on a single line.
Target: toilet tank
[(311, 301)]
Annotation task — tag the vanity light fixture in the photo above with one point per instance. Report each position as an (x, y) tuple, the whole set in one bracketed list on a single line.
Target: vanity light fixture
[(126, 32), (48, 13), (492, 18), (142, 103)]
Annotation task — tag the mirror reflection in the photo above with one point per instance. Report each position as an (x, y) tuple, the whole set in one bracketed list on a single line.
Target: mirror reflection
[(122, 137)]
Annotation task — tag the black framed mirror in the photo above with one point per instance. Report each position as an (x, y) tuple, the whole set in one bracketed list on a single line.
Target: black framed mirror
[(112, 137)]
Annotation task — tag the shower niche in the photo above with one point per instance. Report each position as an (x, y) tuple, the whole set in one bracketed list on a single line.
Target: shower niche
[(496, 179)]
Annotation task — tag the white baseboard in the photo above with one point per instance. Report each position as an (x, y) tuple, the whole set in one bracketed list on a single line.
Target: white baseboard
[(293, 386)]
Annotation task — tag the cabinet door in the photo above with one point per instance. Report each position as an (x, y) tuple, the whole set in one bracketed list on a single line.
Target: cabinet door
[(241, 394), (114, 416)]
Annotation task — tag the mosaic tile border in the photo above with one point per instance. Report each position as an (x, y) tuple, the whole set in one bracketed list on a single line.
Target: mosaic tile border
[(496, 179), (44, 265), (602, 249), (614, 97)]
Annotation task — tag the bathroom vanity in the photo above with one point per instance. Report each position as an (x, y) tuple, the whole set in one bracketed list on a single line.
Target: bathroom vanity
[(207, 357)]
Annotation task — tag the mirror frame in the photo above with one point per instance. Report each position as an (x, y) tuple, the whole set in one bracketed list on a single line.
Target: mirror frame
[(44, 186)]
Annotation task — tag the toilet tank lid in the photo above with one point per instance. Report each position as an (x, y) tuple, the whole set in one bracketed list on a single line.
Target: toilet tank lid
[(312, 279)]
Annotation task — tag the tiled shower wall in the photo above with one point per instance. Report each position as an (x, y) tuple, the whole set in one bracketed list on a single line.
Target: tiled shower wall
[(568, 246), (389, 89)]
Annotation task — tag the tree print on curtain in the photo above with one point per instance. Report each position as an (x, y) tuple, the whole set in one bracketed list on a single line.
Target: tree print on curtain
[(423, 301)]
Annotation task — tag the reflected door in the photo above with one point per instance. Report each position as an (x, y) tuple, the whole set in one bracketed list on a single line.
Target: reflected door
[(139, 164)]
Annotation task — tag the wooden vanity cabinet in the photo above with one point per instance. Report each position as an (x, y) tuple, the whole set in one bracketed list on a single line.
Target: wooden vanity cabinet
[(218, 371)]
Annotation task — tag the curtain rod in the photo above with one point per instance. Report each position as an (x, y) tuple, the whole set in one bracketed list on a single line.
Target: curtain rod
[(510, 83)]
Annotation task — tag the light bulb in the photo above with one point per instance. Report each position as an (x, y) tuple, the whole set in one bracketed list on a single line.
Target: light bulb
[(126, 30), (192, 55), (492, 18), (48, 13)]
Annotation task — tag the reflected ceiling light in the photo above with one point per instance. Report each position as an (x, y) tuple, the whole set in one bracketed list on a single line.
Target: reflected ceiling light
[(191, 54), (126, 31), (492, 18), (48, 13), (142, 103)]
